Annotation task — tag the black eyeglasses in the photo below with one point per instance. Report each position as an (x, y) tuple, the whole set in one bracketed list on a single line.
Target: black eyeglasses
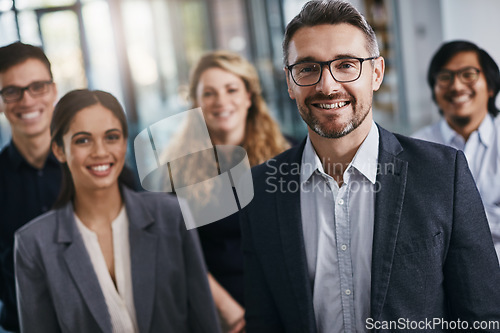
[(12, 94), (346, 69), (467, 75)]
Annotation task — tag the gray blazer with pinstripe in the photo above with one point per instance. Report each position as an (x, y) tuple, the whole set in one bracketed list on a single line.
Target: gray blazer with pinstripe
[(58, 290)]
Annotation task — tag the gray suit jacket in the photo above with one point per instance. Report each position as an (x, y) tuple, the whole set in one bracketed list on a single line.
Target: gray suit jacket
[(58, 290), (433, 254)]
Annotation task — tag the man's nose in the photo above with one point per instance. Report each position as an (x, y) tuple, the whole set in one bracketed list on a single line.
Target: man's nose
[(327, 84), (457, 84), (26, 97)]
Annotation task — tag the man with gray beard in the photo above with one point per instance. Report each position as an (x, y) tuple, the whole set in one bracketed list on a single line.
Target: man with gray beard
[(397, 238)]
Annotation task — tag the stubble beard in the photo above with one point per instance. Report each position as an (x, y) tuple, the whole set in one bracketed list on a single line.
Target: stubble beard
[(461, 121), (360, 112)]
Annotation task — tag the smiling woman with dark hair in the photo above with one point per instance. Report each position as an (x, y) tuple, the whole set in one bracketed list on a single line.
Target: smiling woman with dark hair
[(107, 259)]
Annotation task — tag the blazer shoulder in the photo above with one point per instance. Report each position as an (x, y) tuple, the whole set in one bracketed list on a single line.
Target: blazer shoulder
[(425, 151), (41, 228), (157, 200), (153, 198), (273, 165), (157, 206)]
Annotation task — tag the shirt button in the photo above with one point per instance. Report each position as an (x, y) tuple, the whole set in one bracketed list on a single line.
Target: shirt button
[(348, 292), (341, 202), (343, 247), (40, 173)]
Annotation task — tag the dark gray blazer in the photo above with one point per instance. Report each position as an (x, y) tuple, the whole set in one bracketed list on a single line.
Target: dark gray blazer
[(433, 254), (58, 290)]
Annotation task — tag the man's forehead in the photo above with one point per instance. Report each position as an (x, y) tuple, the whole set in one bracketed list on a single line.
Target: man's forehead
[(327, 41), (24, 73), (463, 59)]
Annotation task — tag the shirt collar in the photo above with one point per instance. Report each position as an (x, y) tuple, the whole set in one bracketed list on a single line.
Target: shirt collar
[(365, 160), (17, 159), (310, 162), (485, 132), (14, 155)]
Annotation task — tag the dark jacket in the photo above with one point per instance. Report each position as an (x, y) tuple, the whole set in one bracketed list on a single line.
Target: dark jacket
[(433, 254)]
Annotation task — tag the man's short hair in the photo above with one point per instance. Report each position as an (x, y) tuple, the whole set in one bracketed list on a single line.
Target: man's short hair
[(488, 66), (18, 52), (329, 12)]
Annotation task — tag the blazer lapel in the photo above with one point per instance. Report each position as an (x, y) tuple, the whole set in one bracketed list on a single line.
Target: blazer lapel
[(290, 222), (391, 178), (81, 268), (143, 249)]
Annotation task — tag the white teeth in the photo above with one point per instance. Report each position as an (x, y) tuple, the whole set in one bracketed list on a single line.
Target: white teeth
[(101, 168), (223, 114), (333, 105), (460, 99), (30, 115)]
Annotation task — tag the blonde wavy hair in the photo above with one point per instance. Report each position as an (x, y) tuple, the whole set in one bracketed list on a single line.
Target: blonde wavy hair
[(263, 138)]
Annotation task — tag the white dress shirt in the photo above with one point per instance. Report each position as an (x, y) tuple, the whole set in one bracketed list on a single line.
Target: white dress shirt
[(338, 234), (482, 151), (119, 299)]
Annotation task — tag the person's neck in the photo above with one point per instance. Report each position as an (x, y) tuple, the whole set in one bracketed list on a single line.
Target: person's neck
[(466, 130), (34, 149), (336, 154), (98, 208), (234, 138)]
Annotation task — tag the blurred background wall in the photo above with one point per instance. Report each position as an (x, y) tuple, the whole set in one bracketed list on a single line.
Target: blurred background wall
[(142, 50)]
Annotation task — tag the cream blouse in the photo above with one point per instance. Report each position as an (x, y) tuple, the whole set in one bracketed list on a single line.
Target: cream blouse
[(119, 299)]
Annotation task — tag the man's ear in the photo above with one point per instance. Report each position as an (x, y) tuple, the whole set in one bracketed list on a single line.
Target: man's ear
[(378, 72), (59, 152), (289, 83)]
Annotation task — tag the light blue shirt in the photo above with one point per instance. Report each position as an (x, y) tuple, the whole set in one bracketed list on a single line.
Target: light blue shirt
[(482, 151), (338, 235)]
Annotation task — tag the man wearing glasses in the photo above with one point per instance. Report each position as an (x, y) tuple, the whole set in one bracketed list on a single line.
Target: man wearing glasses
[(358, 229), (465, 81), (29, 174)]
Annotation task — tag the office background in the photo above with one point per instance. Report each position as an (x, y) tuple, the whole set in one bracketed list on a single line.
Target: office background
[(142, 50)]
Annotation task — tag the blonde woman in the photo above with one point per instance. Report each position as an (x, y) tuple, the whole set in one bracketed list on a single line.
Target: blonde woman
[(227, 88)]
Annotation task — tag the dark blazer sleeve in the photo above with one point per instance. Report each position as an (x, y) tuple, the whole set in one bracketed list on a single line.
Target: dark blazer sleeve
[(261, 314), (471, 269), (202, 316), (34, 303)]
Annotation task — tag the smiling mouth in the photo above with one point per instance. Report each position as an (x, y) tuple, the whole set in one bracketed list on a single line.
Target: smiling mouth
[(103, 167), (460, 99), (329, 106), (29, 115), (223, 115), (100, 169)]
